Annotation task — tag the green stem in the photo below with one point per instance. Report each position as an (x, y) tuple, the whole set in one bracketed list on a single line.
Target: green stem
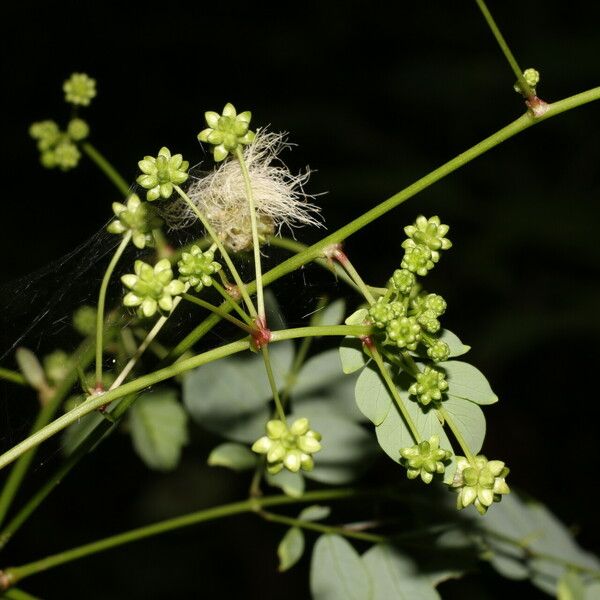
[(273, 383), (512, 61), (16, 594), (217, 310), (321, 528), (14, 376), (104, 165), (81, 358), (232, 302), (215, 238), (101, 304), (94, 402), (456, 432), (316, 250), (15, 574), (394, 392), (260, 298), (358, 280), (144, 345)]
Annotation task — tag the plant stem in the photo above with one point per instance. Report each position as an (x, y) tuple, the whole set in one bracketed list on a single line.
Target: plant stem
[(16, 594), (218, 311), (273, 383), (14, 376), (215, 238), (15, 574), (96, 401), (321, 528), (143, 346), (106, 167), (316, 250), (233, 303), (353, 273), (260, 299), (456, 432), (101, 304), (81, 358), (512, 61), (394, 392)]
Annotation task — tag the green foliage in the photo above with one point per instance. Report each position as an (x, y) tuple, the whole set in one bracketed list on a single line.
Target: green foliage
[(158, 428), (290, 548), (337, 571), (465, 381), (292, 484), (232, 456)]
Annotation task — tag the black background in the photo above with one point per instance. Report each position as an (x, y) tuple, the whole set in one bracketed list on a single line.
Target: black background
[(375, 95)]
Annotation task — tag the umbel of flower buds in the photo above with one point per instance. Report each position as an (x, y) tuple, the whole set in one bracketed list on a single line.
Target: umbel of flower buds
[(197, 268), (160, 174), (290, 447), (480, 482), (151, 288), (425, 459), (429, 386), (136, 216)]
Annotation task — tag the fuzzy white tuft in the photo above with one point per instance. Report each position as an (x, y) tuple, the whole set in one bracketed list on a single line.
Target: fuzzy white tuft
[(220, 195)]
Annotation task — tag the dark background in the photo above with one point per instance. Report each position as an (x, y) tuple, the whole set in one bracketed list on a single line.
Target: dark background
[(375, 95)]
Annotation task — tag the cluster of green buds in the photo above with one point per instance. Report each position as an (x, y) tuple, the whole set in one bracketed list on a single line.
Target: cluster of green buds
[(79, 89), (226, 131), (152, 288), (531, 77), (480, 482), (429, 386), (407, 316), (290, 447), (426, 238), (84, 320), (197, 267), (56, 366), (137, 217), (160, 174), (425, 459), (58, 149)]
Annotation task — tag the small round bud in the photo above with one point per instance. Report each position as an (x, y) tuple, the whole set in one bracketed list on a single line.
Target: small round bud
[(404, 332), (84, 320), (439, 351), (402, 281), (417, 259), (78, 129), (79, 89)]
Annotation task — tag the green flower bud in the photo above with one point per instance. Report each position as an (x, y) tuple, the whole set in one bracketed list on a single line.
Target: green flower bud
[(436, 304), (439, 351), (197, 267), (402, 281), (480, 482), (429, 386), (56, 366), (160, 174), (532, 77), (404, 332), (425, 459), (46, 133), (152, 289), (430, 233), (78, 129), (226, 131), (429, 322), (382, 312), (136, 216), (79, 89), (84, 320), (289, 447), (66, 155), (417, 259)]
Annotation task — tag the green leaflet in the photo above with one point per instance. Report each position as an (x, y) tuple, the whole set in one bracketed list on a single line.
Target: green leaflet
[(372, 397), (158, 428), (290, 548), (337, 571), (314, 513), (465, 381), (535, 525), (394, 575), (457, 348), (290, 483), (352, 356), (332, 314), (231, 396), (469, 419), (233, 456)]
